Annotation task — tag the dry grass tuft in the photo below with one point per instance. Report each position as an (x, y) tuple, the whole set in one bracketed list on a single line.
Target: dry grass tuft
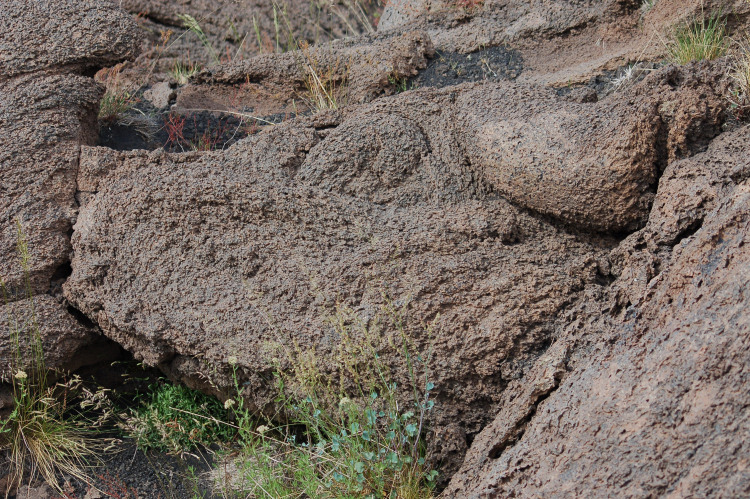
[(325, 84), (41, 435), (740, 74)]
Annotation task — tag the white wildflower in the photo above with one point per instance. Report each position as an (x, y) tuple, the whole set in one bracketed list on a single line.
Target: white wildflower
[(21, 375), (228, 403), (232, 360), (262, 429)]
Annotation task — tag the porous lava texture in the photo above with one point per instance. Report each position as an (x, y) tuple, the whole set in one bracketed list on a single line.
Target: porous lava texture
[(569, 256), (48, 108)]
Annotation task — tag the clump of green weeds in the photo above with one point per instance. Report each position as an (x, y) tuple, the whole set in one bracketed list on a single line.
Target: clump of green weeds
[(699, 40), (181, 71), (401, 83), (354, 438), (176, 419), (45, 435), (117, 100)]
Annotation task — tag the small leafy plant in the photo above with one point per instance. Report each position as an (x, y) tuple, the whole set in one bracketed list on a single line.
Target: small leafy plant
[(176, 419), (334, 445), (401, 83), (211, 138)]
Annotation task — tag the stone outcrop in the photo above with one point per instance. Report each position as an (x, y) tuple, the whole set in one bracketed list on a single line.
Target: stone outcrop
[(363, 68), (63, 37), (187, 260), (48, 109), (655, 403), (570, 258)]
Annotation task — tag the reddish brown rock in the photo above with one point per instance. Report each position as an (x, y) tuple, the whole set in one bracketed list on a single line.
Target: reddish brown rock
[(656, 403), (187, 260), (590, 165), (243, 28), (181, 258), (363, 70)]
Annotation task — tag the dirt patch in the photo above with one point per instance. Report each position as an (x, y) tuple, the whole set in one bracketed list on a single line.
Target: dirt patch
[(453, 68)]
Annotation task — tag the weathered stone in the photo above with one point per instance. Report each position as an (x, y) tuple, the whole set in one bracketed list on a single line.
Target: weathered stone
[(67, 342), (592, 166), (363, 69), (190, 257), (70, 36), (160, 95), (47, 110), (43, 119), (657, 403)]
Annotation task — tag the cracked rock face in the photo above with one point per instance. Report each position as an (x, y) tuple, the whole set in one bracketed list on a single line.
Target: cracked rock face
[(47, 110), (660, 405), (575, 267)]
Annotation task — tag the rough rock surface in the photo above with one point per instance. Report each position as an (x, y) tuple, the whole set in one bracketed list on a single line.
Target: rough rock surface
[(590, 165), (365, 67), (213, 247), (574, 260), (64, 36), (187, 260), (657, 404), (47, 110), (44, 120), (237, 29), (67, 341)]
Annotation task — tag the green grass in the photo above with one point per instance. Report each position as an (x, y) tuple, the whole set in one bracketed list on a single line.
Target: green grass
[(182, 71), (115, 104), (401, 83), (356, 434), (699, 40), (117, 100), (177, 419)]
